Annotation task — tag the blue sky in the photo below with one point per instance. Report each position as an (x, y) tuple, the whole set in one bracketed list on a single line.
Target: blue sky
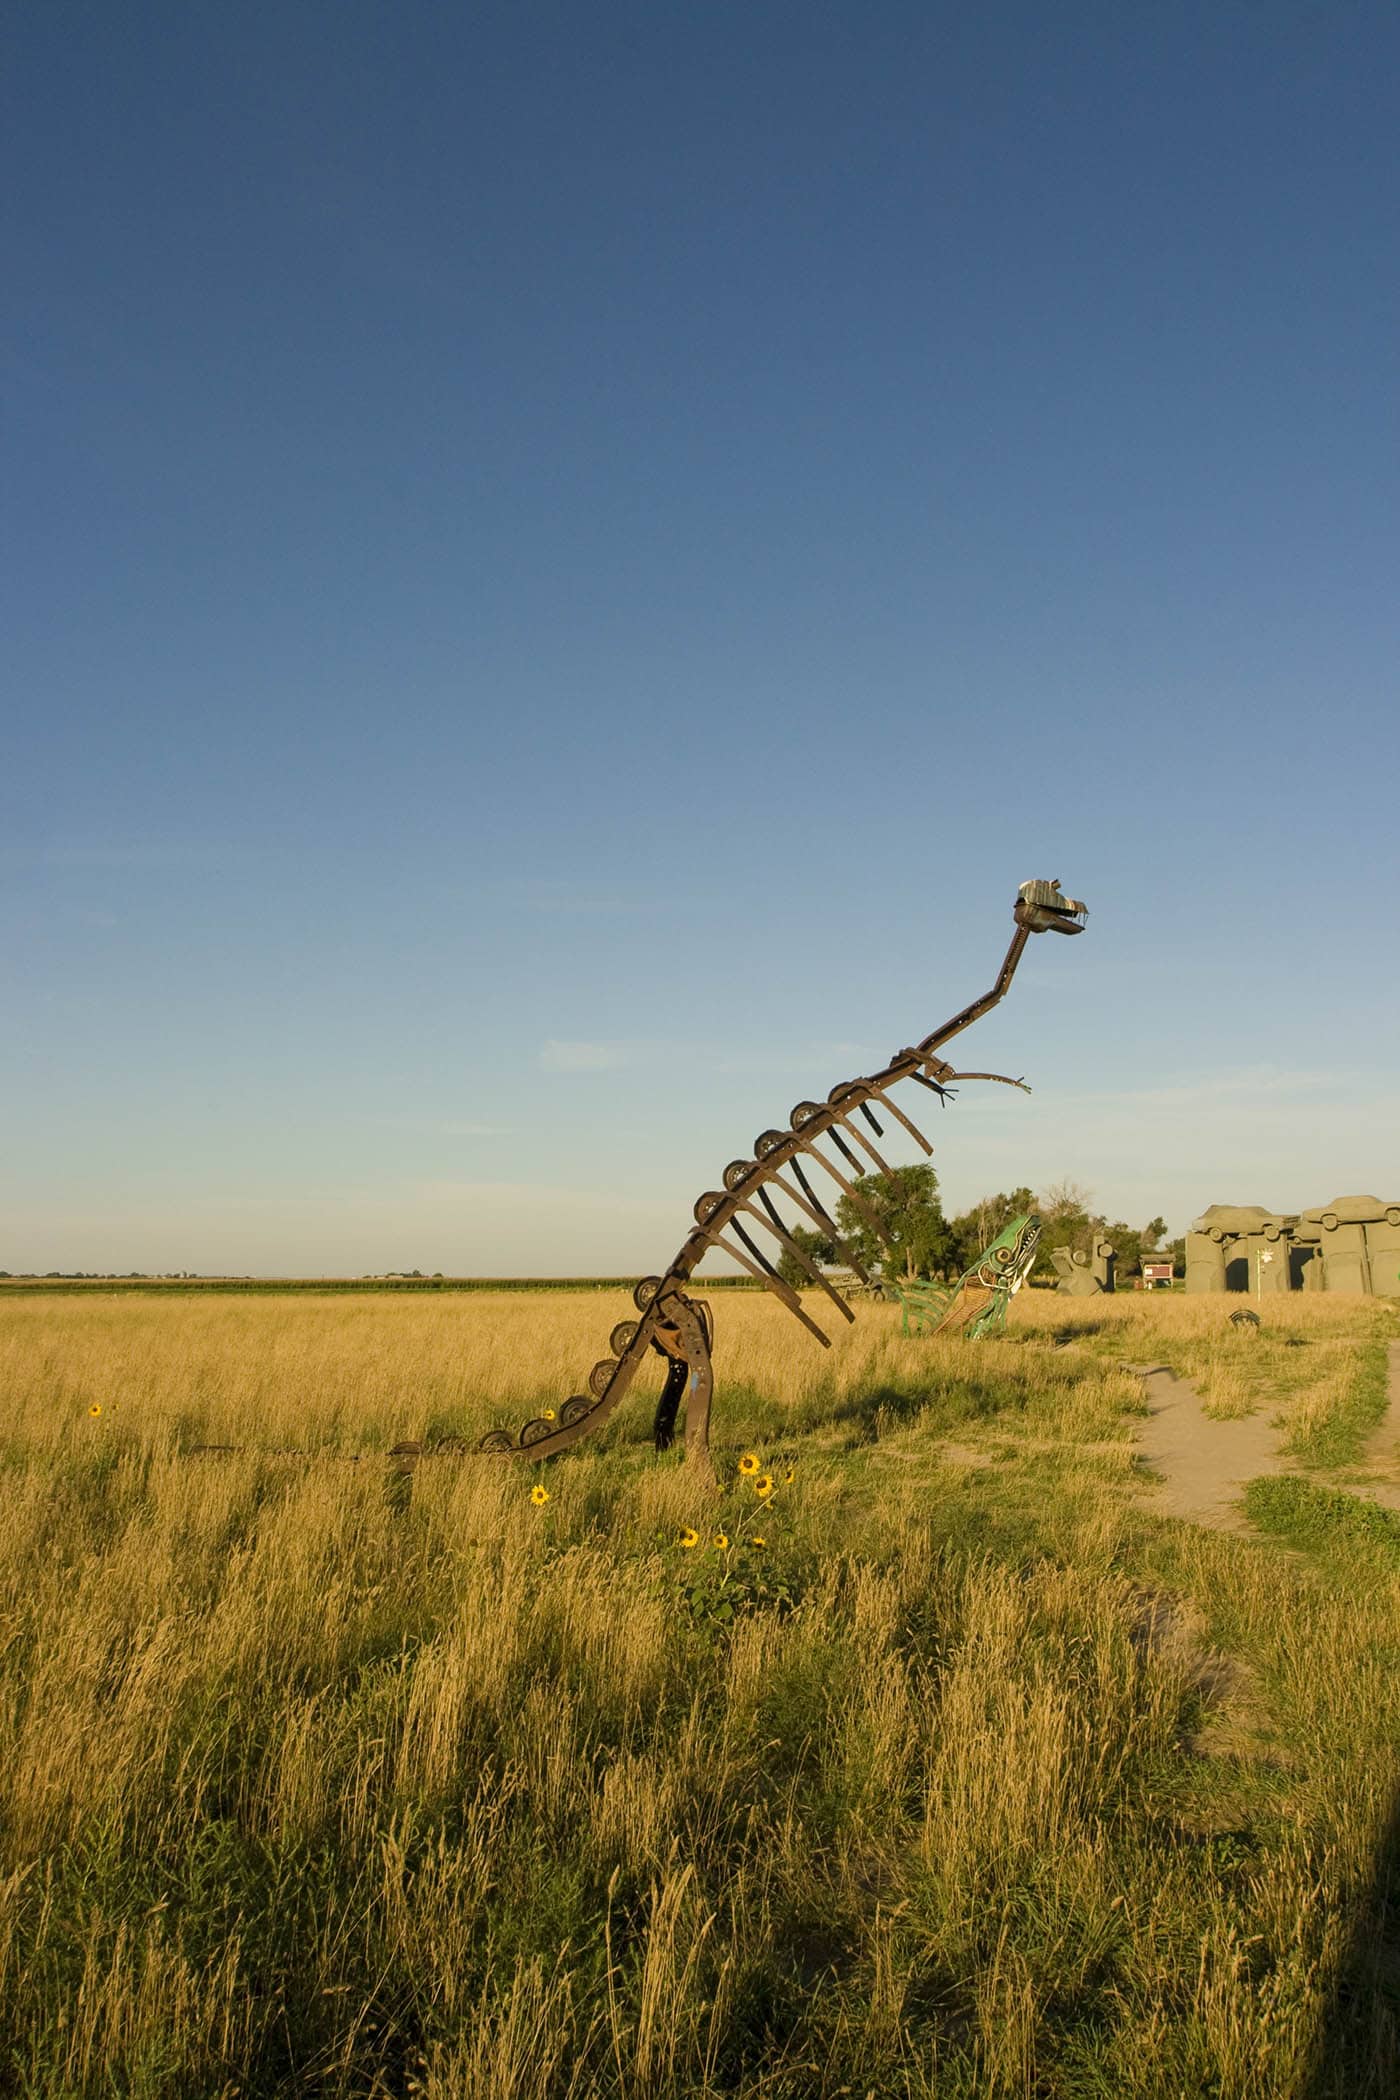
[(562, 563)]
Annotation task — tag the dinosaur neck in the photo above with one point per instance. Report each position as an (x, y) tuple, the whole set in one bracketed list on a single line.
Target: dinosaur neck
[(988, 1000)]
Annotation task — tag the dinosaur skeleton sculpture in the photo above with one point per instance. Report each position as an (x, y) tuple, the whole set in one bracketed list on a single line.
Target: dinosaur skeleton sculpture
[(678, 1326), (977, 1302)]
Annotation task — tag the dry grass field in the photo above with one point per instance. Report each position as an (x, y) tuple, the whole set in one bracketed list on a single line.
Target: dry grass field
[(322, 1777)]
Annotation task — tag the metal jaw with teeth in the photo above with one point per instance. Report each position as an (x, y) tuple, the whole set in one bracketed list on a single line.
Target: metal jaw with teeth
[(977, 1302), (791, 1165)]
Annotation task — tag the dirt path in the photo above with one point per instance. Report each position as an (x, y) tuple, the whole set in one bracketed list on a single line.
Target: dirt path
[(1203, 1464)]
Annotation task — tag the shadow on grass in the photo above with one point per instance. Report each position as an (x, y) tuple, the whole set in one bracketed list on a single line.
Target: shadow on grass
[(1061, 1337), (1357, 2055), (869, 1414)]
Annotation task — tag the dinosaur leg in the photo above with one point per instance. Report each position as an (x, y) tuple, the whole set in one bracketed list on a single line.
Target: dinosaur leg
[(684, 1335), (676, 1325), (663, 1427)]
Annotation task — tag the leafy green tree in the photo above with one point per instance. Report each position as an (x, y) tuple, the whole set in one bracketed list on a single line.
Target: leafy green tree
[(813, 1245), (1126, 1244), (928, 1244), (912, 1220)]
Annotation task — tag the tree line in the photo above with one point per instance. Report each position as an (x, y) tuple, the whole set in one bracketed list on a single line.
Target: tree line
[(909, 1212)]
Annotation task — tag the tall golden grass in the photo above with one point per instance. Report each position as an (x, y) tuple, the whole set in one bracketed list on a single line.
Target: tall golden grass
[(364, 1372), (317, 1777)]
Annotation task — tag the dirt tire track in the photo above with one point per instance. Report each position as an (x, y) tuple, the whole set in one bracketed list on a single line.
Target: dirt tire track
[(1203, 1464)]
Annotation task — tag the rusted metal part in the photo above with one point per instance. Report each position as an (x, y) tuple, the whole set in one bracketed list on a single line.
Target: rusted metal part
[(913, 1129), (768, 1276), (997, 1079), (407, 1453), (685, 1336), (1041, 907), (821, 1218), (677, 1326), (852, 1193), (842, 1147), (775, 1225)]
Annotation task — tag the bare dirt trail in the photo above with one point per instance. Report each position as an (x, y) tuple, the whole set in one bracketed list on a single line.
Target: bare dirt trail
[(1202, 1464)]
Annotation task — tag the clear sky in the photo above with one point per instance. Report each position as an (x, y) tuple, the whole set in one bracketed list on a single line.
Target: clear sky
[(563, 561)]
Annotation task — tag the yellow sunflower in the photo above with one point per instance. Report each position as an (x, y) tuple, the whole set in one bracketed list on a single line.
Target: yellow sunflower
[(96, 1408), (689, 1538), (546, 1414), (757, 1541), (539, 1495), (763, 1487), (789, 1476), (722, 1541), (748, 1463)]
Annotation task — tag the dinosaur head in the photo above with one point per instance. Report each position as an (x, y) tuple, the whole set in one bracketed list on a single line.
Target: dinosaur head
[(1042, 907), (1011, 1256)]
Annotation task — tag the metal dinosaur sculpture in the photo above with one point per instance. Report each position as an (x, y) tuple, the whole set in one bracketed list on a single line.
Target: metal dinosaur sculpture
[(678, 1326), (977, 1302)]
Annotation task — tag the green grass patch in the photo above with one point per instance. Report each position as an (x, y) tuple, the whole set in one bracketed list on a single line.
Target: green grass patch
[(1321, 1518), (1340, 1438)]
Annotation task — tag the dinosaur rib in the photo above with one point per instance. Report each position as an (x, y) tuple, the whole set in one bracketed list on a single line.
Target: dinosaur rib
[(857, 1200), (776, 1282), (746, 1238), (843, 1148), (774, 1224), (812, 1210), (769, 1277), (898, 1113), (678, 1325), (882, 1166), (820, 1218)]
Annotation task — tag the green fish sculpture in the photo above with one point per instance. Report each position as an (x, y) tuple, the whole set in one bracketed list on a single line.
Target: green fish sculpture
[(977, 1302)]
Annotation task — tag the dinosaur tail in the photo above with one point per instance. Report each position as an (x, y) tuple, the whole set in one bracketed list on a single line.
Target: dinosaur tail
[(676, 1327)]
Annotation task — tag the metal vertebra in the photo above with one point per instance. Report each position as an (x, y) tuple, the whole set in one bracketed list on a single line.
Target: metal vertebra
[(678, 1327)]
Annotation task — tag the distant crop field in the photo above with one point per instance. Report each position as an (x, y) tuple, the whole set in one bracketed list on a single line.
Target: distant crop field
[(941, 1767), (302, 1286)]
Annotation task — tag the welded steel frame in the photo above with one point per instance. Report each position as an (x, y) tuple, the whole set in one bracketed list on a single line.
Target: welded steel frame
[(670, 1322)]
